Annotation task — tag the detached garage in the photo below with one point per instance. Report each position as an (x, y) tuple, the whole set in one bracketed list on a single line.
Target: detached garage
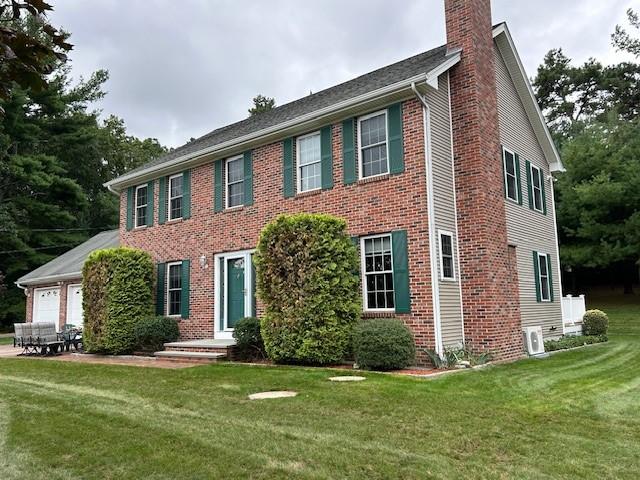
[(54, 290)]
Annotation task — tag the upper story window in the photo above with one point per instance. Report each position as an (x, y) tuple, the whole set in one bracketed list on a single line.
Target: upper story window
[(446, 256), (372, 144), (378, 273), (511, 175), (174, 288), (235, 181), (544, 277), (309, 162), (536, 188), (175, 196), (142, 203)]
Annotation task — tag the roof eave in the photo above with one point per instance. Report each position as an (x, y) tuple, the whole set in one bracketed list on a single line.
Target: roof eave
[(283, 130), (30, 282)]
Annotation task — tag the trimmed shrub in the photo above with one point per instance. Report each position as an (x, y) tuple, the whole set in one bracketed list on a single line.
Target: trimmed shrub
[(153, 332), (573, 341), (383, 344), (306, 277), (595, 322), (117, 291), (248, 339)]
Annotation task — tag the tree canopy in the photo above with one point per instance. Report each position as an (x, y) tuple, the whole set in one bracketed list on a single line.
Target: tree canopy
[(261, 104)]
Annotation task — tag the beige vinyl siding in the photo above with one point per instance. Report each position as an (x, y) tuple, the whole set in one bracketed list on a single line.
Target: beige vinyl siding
[(527, 229), (445, 209)]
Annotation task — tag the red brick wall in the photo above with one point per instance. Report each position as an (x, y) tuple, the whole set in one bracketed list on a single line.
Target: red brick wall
[(62, 317), (491, 311), (380, 206)]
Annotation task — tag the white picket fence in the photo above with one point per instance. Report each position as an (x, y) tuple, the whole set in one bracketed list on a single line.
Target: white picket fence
[(573, 309)]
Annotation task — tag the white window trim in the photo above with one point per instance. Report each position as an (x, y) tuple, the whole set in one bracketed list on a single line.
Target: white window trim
[(363, 274), (539, 279), (169, 197), (533, 188), (136, 206), (360, 159), (298, 166), (168, 299), (449, 234), (506, 183), (227, 333), (226, 182)]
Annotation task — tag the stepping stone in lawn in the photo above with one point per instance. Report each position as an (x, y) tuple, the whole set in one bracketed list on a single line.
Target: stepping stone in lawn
[(277, 394), (347, 378)]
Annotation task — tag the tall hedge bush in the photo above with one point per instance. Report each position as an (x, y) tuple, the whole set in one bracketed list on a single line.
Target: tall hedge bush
[(306, 277), (117, 293)]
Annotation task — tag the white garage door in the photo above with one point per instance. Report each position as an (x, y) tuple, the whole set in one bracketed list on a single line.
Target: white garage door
[(74, 305), (46, 305)]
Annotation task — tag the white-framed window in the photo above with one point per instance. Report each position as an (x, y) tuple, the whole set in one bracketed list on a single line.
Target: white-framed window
[(174, 289), (447, 270), (510, 175), (544, 277), (377, 273), (142, 203), (175, 196), (536, 188), (308, 158), (373, 148), (235, 181)]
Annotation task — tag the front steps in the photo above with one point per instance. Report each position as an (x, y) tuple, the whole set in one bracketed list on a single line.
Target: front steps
[(198, 351)]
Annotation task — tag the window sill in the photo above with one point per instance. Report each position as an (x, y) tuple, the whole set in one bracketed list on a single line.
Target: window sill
[(388, 314), (174, 220), (309, 193), (142, 227), (377, 178), (234, 209)]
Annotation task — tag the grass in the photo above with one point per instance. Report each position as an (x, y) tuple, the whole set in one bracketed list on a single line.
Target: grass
[(573, 415), (6, 340)]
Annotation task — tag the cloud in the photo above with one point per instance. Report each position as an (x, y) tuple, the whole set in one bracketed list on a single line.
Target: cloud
[(181, 69)]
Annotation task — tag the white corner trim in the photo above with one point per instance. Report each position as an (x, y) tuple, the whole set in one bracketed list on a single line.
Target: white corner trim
[(555, 163)]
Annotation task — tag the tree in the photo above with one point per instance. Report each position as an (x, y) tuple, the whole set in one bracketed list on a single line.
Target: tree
[(261, 104), (622, 40), (27, 56), (599, 198)]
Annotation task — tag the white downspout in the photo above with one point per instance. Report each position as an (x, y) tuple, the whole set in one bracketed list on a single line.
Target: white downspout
[(555, 236), (435, 283)]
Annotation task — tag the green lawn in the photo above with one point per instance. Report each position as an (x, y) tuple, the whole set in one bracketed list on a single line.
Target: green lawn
[(574, 415), (6, 340)]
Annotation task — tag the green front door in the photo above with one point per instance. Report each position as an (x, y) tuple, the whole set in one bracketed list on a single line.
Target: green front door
[(235, 291)]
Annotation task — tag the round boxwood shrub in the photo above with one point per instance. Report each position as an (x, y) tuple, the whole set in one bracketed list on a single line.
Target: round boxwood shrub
[(248, 338), (383, 344), (306, 278), (117, 293), (153, 332), (595, 322)]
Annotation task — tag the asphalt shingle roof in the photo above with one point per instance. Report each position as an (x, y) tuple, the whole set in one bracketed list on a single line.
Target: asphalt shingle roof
[(72, 261), (396, 72)]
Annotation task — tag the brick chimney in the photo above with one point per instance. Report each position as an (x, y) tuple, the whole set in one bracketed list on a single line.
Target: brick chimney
[(488, 276)]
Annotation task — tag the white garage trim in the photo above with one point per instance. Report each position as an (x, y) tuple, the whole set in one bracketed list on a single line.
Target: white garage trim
[(74, 305), (46, 305)]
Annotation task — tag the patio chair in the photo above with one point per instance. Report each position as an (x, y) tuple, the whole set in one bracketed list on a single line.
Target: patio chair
[(45, 336), (71, 336)]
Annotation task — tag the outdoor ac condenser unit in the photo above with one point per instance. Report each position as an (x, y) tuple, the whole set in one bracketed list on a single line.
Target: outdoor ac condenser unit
[(533, 340)]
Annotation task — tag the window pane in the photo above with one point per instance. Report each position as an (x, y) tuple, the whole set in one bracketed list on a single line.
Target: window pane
[(141, 216), (141, 196), (175, 187), (310, 177), (236, 194), (176, 208), (445, 242), (175, 297), (175, 276), (512, 191), (447, 267), (379, 276), (235, 170), (542, 261), (309, 149), (374, 160), (509, 163), (373, 130), (545, 288)]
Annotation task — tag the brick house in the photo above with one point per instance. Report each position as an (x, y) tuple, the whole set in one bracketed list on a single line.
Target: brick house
[(440, 163)]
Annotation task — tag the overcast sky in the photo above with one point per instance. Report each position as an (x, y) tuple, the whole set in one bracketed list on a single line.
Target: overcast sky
[(180, 69)]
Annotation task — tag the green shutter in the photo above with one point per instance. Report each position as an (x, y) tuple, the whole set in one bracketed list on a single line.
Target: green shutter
[(150, 203), (248, 178), (326, 156), (544, 195), (160, 289), (394, 126), (254, 306), (550, 277), (217, 186), (186, 194), (401, 271), (529, 184), (518, 181), (184, 297), (348, 152), (536, 273), (504, 173), (162, 200), (130, 208), (356, 243), (287, 168)]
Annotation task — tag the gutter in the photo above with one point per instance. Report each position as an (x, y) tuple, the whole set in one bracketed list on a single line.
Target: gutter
[(435, 280), (51, 278), (191, 159)]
